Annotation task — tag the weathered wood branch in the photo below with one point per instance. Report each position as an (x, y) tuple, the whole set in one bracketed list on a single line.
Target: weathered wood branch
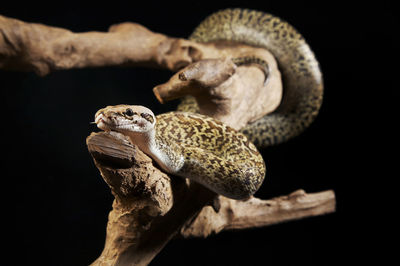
[(255, 212), (40, 48), (43, 49), (150, 207)]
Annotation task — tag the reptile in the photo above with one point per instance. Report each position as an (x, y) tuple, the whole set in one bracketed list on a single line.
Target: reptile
[(203, 149), (301, 75), (191, 145)]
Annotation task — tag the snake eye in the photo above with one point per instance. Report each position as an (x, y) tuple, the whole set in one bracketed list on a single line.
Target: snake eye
[(129, 112)]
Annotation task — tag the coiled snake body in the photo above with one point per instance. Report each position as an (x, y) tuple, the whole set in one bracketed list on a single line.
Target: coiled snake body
[(209, 152), (191, 145), (302, 78)]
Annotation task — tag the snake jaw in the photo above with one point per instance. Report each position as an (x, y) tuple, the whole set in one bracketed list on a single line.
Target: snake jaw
[(100, 121)]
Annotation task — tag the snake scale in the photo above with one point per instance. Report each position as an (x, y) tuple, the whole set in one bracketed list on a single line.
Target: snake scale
[(203, 149)]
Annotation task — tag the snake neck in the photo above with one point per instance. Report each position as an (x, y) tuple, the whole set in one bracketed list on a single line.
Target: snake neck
[(166, 154)]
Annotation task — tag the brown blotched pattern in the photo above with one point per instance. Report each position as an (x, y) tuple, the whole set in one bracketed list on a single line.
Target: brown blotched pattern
[(302, 78), (215, 154)]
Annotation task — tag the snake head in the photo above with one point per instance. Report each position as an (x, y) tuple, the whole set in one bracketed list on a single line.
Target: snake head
[(125, 119)]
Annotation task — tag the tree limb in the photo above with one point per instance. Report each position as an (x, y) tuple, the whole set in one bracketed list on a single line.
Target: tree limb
[(149, 207), (43, 49), (255, 212)]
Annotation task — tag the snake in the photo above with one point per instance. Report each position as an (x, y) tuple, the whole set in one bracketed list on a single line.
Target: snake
[(301, 74), (192, 146)]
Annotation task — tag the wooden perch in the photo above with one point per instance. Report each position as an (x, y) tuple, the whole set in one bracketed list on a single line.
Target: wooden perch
[(43, 49), (234, 214), (150, 207)]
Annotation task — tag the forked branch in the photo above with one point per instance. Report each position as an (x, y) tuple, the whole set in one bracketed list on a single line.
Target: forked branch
[(150, 207)]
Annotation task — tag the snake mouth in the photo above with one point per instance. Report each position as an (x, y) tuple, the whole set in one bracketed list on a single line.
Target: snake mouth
[(104, 123), (108, 124)]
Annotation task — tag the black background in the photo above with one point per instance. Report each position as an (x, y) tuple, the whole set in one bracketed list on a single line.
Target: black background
[(56, 204)]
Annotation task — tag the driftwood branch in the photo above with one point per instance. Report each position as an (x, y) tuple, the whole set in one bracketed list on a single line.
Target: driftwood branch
[(43, 49), (255, 212), (150, 207)]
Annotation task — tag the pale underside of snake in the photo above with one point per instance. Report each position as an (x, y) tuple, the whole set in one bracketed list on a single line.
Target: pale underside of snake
[(191, 145), (302, 78)]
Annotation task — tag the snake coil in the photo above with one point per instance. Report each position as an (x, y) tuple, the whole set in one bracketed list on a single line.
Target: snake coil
[(302, 78)]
